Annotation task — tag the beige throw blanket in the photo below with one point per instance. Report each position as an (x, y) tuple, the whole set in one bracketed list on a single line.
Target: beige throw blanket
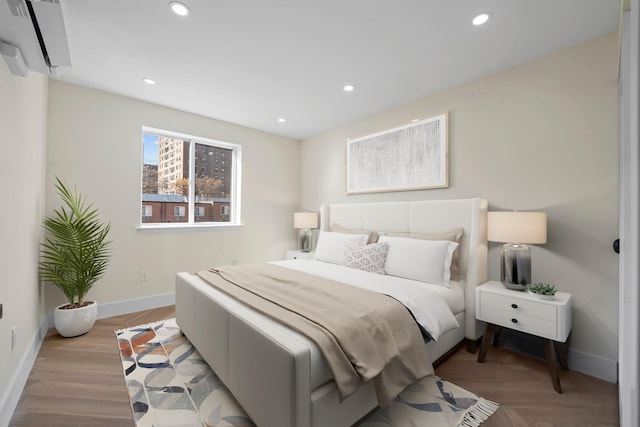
[(363, 335)]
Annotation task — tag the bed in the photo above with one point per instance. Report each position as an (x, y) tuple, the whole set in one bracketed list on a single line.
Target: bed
[(278, 375)]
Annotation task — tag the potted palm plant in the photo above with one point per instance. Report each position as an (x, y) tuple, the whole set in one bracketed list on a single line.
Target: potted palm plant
[(73, 256)]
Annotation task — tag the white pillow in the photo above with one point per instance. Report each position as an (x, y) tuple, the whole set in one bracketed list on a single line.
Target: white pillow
[(369, 257), (330, 247), (423, 260)]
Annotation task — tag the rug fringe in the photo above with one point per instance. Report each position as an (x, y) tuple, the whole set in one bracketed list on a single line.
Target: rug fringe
[(478, 413), (146, 325)]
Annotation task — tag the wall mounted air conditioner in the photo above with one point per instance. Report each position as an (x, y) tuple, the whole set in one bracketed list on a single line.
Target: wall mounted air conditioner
[(32, 35)]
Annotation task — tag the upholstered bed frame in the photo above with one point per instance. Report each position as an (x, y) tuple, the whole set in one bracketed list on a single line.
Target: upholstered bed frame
[(270, 368)]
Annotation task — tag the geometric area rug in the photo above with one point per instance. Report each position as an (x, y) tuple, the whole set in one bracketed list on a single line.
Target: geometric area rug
[(170, 385)]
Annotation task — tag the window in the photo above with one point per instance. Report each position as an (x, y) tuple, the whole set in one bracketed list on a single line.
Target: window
[(178, 212), (178, 193), (147, 212)]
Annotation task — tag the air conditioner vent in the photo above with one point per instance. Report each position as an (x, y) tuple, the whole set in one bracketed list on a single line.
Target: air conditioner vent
[(18, 8), (36, 29)]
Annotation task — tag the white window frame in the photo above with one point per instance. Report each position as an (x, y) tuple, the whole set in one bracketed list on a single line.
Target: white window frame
[(198, 209), (236, 183)]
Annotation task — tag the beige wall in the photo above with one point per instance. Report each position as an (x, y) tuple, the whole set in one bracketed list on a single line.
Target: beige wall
[(95, 143), (540, 136), (23, 125)]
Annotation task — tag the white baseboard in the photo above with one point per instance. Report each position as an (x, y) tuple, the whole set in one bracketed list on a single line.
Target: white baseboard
[(12, 394), (138, 304), (586, 363), (590, 364), (117, 308)]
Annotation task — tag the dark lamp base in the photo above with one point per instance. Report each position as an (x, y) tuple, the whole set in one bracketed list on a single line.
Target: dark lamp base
[(515, 266), (515, 286), (305, 240)]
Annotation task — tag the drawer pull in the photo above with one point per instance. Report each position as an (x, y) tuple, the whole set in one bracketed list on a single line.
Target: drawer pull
[(514, 320), (514, 305)]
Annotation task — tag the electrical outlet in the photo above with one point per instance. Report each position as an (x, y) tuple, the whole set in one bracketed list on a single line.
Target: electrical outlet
[(235, 262), (144, 275)]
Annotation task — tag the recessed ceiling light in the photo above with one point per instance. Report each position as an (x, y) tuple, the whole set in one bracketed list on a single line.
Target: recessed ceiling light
[(179, 8), (282, 120), (348, 88), (481, 18), (149, 81)]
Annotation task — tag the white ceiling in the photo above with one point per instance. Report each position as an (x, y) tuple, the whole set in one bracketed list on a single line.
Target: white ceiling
[(250, 62)]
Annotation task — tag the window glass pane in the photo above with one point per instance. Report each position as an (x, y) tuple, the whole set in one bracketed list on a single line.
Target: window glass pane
[(212, 189), (165, 179)]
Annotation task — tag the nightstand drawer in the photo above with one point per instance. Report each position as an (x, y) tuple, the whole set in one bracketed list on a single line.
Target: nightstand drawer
[(297, 254), (520, 321), (520, 306)]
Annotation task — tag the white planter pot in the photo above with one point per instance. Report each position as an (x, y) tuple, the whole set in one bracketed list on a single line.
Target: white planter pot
[(77, 321), (541, 296)]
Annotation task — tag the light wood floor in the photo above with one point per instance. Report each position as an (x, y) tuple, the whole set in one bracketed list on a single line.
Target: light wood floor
[(79, 382)]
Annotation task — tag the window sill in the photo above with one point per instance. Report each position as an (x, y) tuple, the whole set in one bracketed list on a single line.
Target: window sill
[(187, 227)]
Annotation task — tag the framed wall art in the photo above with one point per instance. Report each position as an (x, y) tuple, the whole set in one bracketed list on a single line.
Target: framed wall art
[(410, 157)]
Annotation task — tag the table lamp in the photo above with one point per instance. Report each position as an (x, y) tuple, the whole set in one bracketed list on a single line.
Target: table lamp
[(305, 221), (516, 229)]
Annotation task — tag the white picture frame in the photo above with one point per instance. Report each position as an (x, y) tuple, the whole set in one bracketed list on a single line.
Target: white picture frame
[(410, 157)]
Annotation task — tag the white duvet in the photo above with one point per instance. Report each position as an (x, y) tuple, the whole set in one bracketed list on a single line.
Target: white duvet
[(431, 305)]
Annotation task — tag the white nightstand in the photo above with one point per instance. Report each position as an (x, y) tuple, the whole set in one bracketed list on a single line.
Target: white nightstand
[(517, 310), (298, 254)]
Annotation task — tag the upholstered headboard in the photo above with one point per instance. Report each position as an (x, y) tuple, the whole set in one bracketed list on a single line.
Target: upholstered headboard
[(428, 217)]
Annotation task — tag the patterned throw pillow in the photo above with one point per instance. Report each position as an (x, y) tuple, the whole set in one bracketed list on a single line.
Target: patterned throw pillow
[(367, 258)]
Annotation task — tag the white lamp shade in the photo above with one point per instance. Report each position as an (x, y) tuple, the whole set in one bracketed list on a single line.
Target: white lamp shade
[(305, 220), (517, 227)]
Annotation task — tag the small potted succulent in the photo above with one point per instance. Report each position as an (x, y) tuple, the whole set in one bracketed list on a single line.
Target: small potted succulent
[(542, 291)]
